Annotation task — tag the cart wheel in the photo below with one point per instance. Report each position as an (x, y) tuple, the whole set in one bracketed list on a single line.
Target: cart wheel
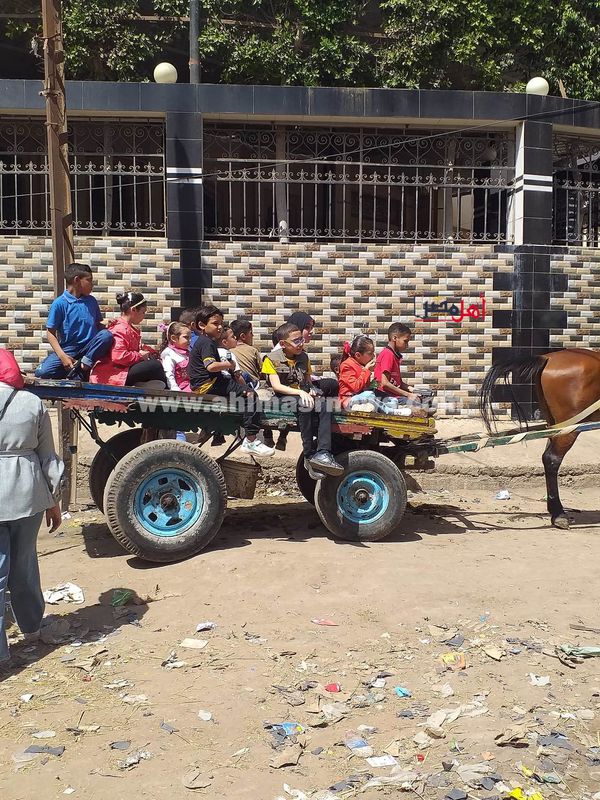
[(367, 502), (306, 485), (165, 501), (104, 463)]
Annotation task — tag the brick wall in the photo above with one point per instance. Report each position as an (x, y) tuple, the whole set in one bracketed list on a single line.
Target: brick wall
[(353, 289), (348, 288), (581, 299), (26, 285)]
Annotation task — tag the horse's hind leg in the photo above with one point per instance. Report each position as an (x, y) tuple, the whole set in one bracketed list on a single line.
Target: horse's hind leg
[(555, 451)]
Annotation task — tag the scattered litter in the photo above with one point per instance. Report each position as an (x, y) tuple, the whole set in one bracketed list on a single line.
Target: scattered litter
[(172, 661), (580, 652), (334, 688), (515, 736), (400, 691), (44, 734), (400, 777), (194, 644), (326, 622), (334, 712), (494, 652), (539, 680), (555, 739), (196, 779), (206, 716), (120, 684), (454, 661), (69, 592), (134, 759), (456, 794), (134, 699), (368, 730), (455, 641), (46, 749), (443, 689), (503, 494), (288, 757), (26, 698), (121, 597), (69, 790), (205, 626), (240, 753), (358, 746), (121, 745), (471, 774), (164, 726), (381, 761), (57, 630), (377, 683)]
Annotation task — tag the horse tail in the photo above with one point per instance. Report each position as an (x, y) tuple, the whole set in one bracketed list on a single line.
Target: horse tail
[(527, 369)]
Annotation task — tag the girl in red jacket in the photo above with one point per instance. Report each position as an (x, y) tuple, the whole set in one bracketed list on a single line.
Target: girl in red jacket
[(356, 377), (129, 361)]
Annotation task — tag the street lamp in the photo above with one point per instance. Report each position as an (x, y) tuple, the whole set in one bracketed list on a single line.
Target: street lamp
[(165, 73), (538, 86)]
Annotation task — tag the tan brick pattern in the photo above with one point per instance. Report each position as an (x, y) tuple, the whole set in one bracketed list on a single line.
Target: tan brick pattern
[(581, 301), (26, 286), (353, 289)]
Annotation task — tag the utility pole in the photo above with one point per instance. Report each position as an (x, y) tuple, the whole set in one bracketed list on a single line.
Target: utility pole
[(194, 35), (60, 198)]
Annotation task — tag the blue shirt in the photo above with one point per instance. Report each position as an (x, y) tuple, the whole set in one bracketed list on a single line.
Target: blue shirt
[(76, 319)]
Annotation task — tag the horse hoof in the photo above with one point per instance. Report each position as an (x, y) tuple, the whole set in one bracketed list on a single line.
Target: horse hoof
[(561, 522)]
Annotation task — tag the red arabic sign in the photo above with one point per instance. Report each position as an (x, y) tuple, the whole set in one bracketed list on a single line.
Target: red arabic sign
[(428, 309)]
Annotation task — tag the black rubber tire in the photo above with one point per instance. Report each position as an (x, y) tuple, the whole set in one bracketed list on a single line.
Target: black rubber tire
[(306, 485), (138, 466), (341, 526), (104, 463)]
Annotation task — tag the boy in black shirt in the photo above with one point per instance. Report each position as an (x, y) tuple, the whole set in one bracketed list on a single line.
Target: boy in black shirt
[(206, 368)]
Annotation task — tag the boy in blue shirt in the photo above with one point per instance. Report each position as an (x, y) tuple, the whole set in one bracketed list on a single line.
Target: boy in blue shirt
[(74, 329)]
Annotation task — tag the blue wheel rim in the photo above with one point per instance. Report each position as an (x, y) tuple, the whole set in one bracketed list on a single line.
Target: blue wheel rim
[(168, 502), (363, 497)]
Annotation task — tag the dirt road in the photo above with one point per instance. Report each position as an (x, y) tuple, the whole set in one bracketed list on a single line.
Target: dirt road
[(493, 572)]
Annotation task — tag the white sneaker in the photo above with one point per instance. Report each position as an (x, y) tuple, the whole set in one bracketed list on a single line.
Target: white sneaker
[(256, 448)]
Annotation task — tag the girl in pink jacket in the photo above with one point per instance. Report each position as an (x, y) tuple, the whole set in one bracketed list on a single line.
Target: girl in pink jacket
[(129, 361)]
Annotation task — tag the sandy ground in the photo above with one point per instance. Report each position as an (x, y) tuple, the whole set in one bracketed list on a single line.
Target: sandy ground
[(493, 571)]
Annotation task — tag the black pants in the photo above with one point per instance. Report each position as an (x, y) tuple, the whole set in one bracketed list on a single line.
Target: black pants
[(223, 387), (312, 422), (151, 370)]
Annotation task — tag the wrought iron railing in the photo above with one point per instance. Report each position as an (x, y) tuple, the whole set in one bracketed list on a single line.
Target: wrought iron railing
[(576, 181), (356, 185), (117, 177)]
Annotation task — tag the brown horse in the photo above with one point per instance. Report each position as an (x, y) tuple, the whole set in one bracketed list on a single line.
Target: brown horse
[(567, 382)]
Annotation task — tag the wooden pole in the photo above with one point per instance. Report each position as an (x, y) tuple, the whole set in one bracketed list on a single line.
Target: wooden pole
[(60, 192)]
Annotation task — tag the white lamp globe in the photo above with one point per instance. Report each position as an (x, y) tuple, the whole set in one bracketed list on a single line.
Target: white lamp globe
[(165, 73), (538, 86)]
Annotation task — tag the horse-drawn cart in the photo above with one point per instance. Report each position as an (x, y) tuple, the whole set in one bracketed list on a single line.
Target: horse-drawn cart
[(165, 499)]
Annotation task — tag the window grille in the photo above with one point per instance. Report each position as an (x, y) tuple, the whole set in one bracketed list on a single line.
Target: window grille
[(576, 182)]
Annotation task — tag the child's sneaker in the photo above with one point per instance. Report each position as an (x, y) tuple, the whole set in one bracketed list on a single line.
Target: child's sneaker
[(256, 448), (325, 462)]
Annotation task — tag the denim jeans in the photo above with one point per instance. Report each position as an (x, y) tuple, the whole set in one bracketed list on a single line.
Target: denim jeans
[(20, 574), (96, 348), (382, 405)]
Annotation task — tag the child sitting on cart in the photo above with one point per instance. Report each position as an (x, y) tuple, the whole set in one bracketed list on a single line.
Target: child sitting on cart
[(129, 362), (358, 389), (396, 392), (74, 329), (206, 376), (288, 372)]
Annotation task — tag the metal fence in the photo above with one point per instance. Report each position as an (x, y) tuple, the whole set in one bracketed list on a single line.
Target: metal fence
[(576, 181), (117, 177), (363, 184)]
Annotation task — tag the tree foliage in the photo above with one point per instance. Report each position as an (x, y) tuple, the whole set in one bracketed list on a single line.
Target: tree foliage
[(460, 44)]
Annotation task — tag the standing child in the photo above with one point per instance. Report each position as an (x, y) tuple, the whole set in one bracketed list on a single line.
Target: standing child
[(387, 366), (74, 329), (175, 356), (206, 376), (129, 362), (288, 372)]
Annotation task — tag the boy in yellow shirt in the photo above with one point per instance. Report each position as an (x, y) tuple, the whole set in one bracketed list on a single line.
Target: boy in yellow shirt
[(288, 372)]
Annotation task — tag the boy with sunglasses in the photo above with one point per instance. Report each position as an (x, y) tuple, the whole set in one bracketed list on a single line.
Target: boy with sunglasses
[(288, 371)]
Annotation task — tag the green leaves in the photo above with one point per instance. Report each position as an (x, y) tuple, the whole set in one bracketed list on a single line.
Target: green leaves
[(460, 44)]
